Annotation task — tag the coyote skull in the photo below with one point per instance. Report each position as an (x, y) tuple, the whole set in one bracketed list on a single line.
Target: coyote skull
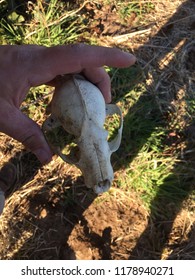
[(79, 107)]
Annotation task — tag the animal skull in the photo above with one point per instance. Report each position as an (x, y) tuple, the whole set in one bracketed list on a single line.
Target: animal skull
[(79, 107)]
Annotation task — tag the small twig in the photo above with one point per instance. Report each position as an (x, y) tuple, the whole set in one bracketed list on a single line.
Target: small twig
[(36, 100), (45, 249), (67, 220), (181, 19), (155, 56), (124, 37), (151, 46)]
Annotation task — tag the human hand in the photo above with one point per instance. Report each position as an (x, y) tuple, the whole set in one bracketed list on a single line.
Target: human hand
[(26, 66)]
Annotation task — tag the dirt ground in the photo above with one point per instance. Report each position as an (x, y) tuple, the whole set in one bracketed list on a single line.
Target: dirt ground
[(51, 215)]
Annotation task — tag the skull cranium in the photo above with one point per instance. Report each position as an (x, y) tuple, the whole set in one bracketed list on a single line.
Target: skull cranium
[(79, 107)]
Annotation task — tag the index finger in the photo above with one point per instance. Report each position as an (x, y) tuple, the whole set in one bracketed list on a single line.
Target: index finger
[(77, 57), (60, 60)]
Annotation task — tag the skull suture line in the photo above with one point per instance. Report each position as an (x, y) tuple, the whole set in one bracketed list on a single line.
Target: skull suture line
[(79, 107)]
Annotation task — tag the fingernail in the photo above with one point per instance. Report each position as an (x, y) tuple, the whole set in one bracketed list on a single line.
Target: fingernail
[(108, 97), (129, 57)]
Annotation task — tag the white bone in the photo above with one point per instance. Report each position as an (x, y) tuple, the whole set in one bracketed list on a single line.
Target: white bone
[(79, 107)]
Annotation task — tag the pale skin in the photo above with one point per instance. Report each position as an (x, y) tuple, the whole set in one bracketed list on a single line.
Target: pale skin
[(26, 66)]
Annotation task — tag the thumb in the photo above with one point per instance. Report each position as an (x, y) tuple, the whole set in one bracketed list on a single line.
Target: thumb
[(20, 127)]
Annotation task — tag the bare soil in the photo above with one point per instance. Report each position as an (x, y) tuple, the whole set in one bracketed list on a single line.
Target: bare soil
[(52, 215)]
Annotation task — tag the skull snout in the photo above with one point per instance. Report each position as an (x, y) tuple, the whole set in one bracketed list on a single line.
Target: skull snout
[(102, 186)]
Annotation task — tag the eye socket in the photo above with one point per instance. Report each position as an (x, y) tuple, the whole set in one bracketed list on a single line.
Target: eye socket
[(63, 144), (115, 113), (72, 153), (112, 125)]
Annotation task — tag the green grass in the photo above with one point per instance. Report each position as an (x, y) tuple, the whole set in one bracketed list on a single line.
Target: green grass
[(143, 153), (136, 6), (149, 159), (48, 25)]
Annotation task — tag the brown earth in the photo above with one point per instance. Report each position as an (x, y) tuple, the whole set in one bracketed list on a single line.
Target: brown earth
[(51, 215), (62, 220)]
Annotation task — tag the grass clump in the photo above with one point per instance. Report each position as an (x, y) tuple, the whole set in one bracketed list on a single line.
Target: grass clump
[(138, 7), (42, 23)]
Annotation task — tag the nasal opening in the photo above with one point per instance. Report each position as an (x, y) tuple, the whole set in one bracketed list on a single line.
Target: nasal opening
[(102, 186)]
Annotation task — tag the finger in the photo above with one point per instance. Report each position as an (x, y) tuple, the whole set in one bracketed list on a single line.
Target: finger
[(101, 79), (74, 58), (26, 131), (60, 60)]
